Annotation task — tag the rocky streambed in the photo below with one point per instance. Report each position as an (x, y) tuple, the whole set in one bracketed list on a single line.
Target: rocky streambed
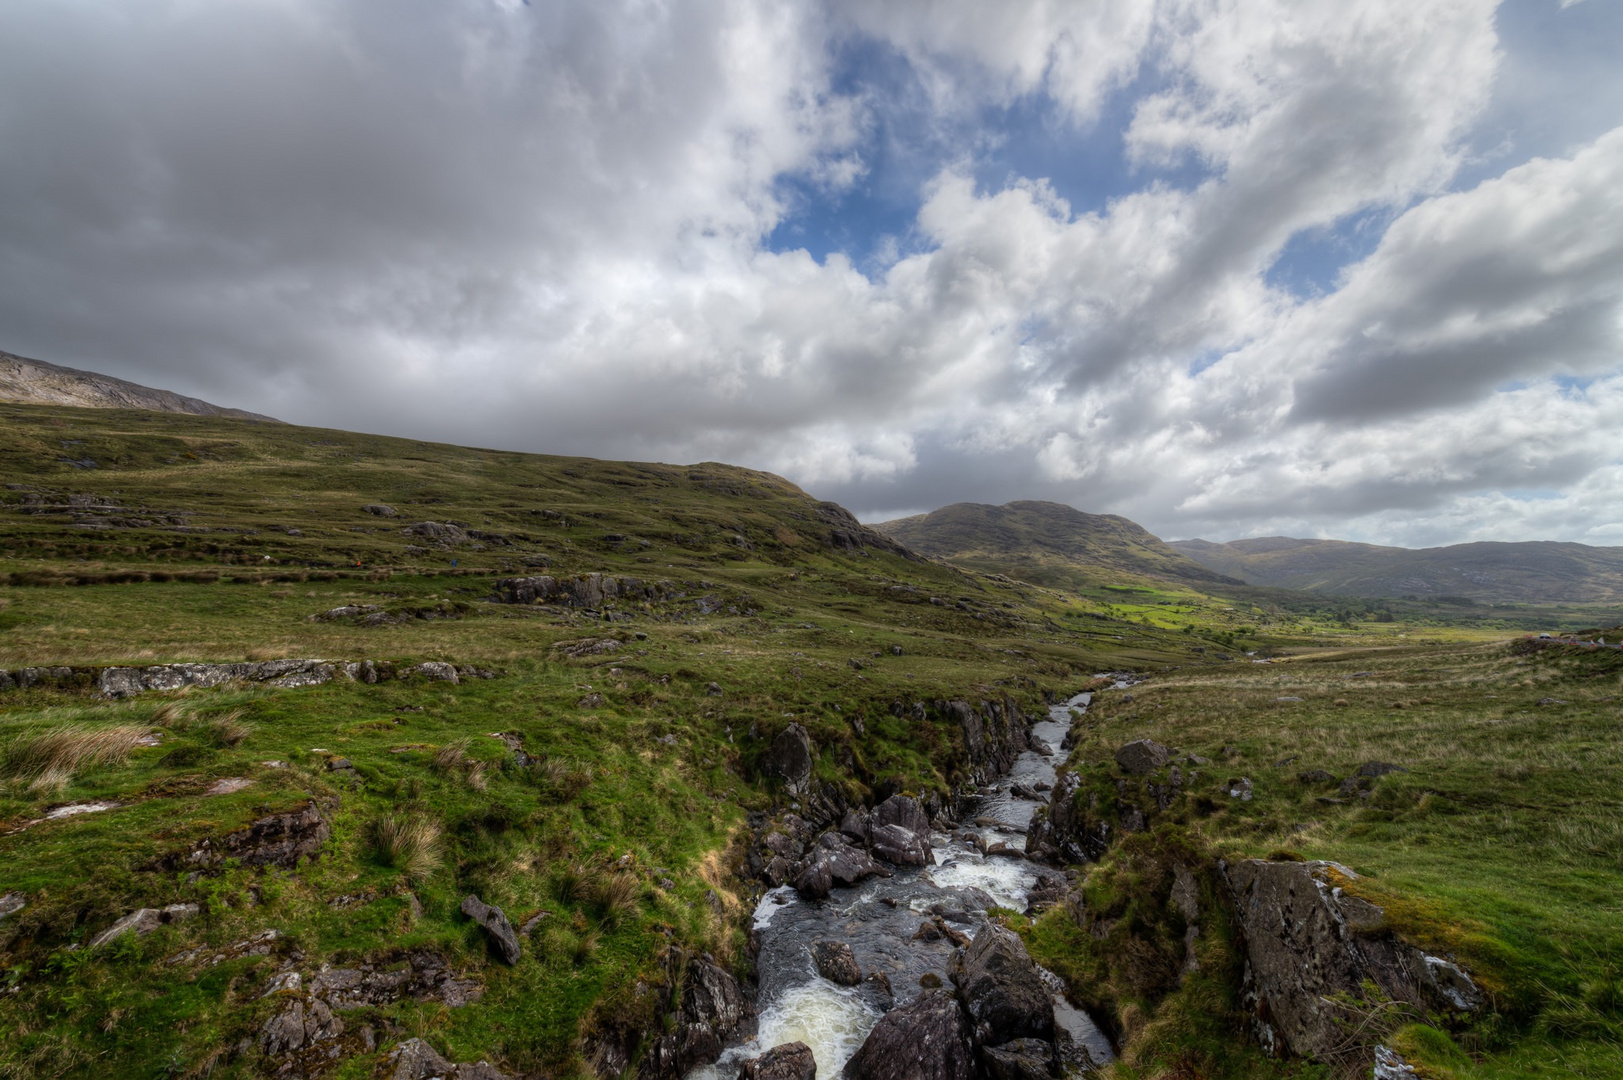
[(868, 962)]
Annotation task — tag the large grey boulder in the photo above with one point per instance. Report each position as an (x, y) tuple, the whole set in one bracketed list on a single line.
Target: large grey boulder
[(414, 1059), (789, 759), (1142, 757), (1001, 990), (144, 921), (900, 832), (927, 1039), (502, 936), (1311, 950), (787, 1061)]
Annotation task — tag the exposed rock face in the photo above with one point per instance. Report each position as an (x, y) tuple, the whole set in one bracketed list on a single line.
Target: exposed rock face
[(789, 759), (925, 1040), (1021, 1059), (1311, 948), (1142, 757), (1001, 991), (788, 1061), (714, 1011), (279, 840), (994, 735), (900, 832), (836, 962), (297, 1027), (846, 533), (437, 671), (35, 382), (426, 979), (581, 591), (144, 921), (122, 682), (502, 937), (414, 1059), (1068, 829)]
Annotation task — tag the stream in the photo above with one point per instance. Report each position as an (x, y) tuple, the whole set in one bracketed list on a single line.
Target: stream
[(878, 919)]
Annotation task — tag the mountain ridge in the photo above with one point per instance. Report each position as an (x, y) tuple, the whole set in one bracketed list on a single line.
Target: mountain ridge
[(25, 381), (1529, 571)]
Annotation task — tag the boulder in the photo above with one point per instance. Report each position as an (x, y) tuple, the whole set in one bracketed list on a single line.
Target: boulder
[(380, 510), (834, 862), (857, 825), (1021, 1059), (896, 845), (789, 759), (836, 962), (1001, 990), (927, 1039), (437, 671), (502, 936), (1142, 756), (786, 1061), (297, 1027), (1311, 949)]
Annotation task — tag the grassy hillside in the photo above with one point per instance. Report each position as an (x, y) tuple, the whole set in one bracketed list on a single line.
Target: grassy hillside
[(1534, 572), (1048, 543), (594, 768)]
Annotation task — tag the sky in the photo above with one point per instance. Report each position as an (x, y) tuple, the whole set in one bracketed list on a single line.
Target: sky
[(1345, 268)]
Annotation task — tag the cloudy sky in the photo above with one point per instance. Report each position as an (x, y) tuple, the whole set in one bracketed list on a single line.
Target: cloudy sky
[(1344, 268)]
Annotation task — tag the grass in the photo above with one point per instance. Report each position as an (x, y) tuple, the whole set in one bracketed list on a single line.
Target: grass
[(1501, 843), (50, 760)]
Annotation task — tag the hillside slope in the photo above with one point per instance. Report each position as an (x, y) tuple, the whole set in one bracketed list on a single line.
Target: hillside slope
[(34, 382), (1048, 543), (1532, 572)]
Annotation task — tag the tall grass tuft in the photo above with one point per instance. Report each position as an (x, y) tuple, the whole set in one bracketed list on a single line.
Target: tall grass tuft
[(49, 761), (452, 758), (409, 844), (228, 730), (615, 896)]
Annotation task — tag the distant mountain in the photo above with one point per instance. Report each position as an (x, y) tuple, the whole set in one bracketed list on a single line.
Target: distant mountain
[(1047, 543), (34, 382), (1533, 572)]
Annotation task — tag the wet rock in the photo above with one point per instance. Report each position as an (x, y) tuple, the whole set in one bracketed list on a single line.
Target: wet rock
[(786, 1061), (1020, 1059), (834, 862), (925, 1040), (1142, 757), (836, 962), (789, 759), (502, 937), (144, 921), (1311, 949), (876, 991), (857, 825), (897, 845), (1001, 991), (414, 1059), (714, 1012)]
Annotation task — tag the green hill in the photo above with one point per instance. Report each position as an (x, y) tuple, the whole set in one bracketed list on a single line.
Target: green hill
[(1532, 572), (1048, 543)]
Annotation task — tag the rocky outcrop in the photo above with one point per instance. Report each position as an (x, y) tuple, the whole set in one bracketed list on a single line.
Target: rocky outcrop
[(927, 1039), (1319, 959), (1021, 1059), (144, 921), (122, 682), (279, 840), (846, 533), (834, 861), (35, 382), (713, 1012), (899, 832), (789, 759), (787, 1061), (995, 734), (836, 962), (503, 939), (414, 1059), (425, 978), (1070, 829), (581, 590), (1001, 991)]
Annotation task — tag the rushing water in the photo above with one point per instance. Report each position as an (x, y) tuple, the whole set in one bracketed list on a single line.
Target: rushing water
[(879, 917)]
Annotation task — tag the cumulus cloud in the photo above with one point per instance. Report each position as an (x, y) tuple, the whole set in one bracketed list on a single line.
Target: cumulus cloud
[(550, 228)]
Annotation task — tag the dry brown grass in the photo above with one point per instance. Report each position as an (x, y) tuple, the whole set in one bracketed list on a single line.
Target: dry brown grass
[(49, 761), (410, 844)]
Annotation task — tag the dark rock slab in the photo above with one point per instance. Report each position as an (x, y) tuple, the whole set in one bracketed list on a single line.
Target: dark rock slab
[(713, 1013), (789, 759), (500, 932), (925, 1040), (1142, 756), (1021, 1059)]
